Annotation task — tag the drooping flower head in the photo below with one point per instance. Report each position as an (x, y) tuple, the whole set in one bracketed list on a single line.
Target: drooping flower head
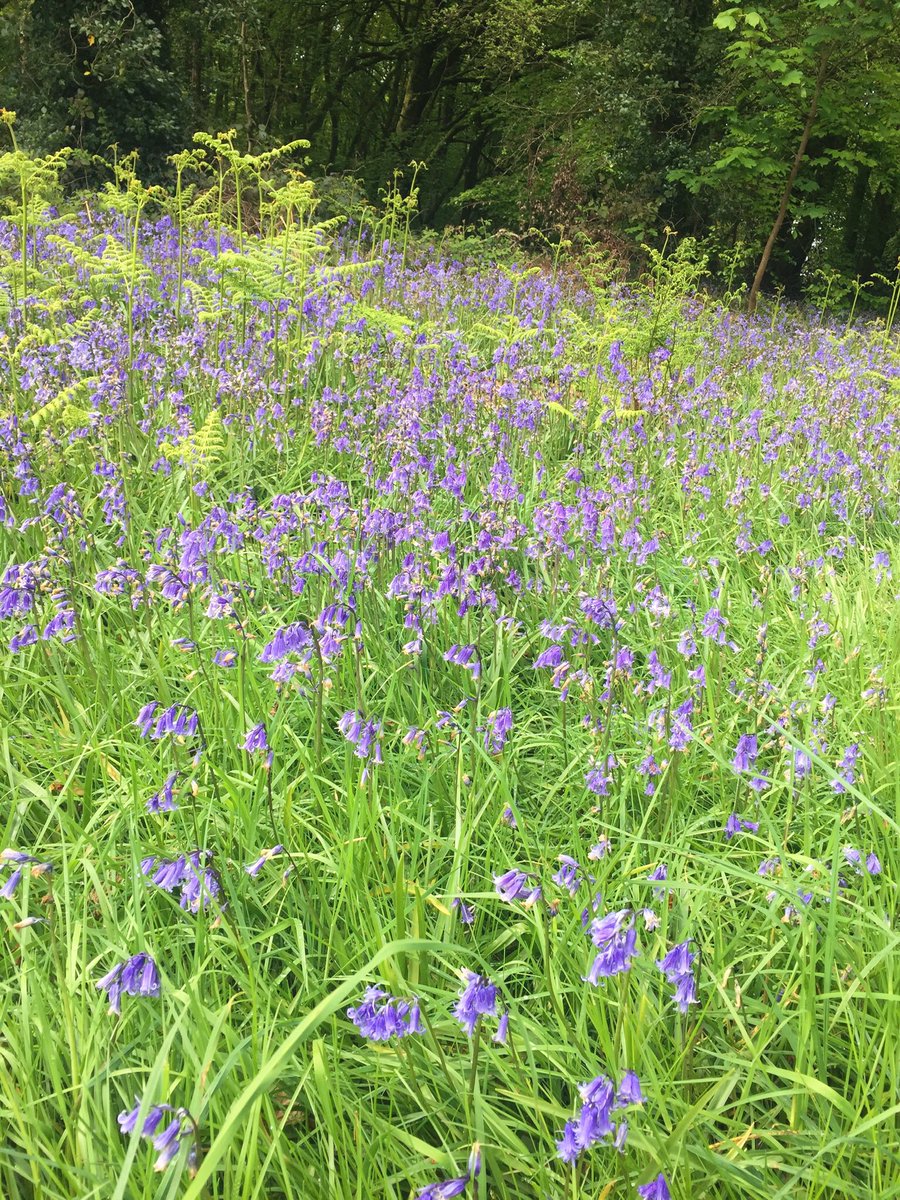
[(678, 968), (517, 885), (137, 976), (478, 999), (180, 1131), (254, 868), (656, 1189), (449, 1188), (380, 1017), (616, 939)]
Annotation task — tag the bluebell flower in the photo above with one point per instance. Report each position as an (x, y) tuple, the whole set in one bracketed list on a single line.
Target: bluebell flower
[(855, 858), (26, 637), (180, 1130), (517, 885), (478, 999), (802, 764), (502, 1031), (164, 799), (256, 740), (466, 911), (363, 735), (847, 768), (144, 719), (20, 862), (881, 565), (226, 657), (736, 824), (567, 876), (678, 968), (192, 873), (567, 1147), (137, 976), (616, 938), (629, 1091), (594, 1121), (464, 656), (497, 730), (449, 1188), (551, 657), (254, 868), (656, 1189), (599, 777), (746, 753), (380, 1017)]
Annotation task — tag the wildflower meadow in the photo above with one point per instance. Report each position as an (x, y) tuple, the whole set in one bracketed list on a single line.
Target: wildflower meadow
[(448, 719)]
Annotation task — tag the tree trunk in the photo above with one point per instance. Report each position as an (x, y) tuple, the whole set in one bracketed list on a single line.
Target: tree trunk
[(245, 85), (786, 194)]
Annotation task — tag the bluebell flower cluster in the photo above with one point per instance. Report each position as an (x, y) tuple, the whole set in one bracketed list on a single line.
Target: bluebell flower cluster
[(191, 874), (17, 863), (175, 721), (678, 967), (448, 1188), (137, 976), (364, 735), (597, 1119), (616, 938), (381, 1017), (477, 1000), (517, 885), (167, 1133)]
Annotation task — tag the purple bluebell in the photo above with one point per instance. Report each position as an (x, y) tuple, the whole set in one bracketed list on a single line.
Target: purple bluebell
[(478, 999), (464, 656), (364, 735), (802, 764), (164, 799), (746, 752), (599, 850), (497, 730), (615, 937), (737, 824), (656, 1189), (449, 1188), (594, 1121), (254, 868), (192, 873), (137, 976), (600, 776), (256, 740), (381, 1017), (180, 1131), (567, 876), (20, 862), (678, 968), (517, 885)]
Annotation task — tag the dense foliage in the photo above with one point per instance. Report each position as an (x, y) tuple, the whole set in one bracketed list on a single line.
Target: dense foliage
[(447, 723), (607, 118)]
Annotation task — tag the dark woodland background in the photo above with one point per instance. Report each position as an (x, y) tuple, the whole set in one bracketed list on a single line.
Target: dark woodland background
[(607, 119)]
